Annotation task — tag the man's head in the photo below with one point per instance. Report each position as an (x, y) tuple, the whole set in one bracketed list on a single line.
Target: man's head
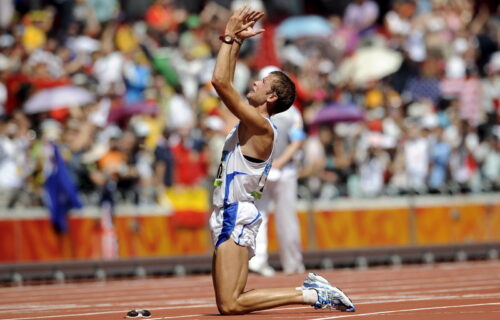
[(276, 89)]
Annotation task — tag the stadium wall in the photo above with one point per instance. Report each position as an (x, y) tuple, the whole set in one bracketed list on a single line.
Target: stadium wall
[(180, 229)]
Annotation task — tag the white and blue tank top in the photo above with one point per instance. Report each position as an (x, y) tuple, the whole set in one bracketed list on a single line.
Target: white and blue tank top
[(239, 179)]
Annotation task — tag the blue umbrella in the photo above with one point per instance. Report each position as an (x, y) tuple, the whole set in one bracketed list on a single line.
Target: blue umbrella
[(335, 113), (304, 26)]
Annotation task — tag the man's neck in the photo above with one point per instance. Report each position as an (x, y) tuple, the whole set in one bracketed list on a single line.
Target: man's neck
[(262, 109)]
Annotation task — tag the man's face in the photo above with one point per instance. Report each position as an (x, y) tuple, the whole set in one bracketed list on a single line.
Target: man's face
[(260, 91)]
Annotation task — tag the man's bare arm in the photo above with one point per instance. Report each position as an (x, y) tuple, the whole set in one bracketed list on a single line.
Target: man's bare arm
[(225, 66)]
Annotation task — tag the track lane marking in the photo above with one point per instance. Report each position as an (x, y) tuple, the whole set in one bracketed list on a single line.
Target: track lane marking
[(105, 312), (408, 310), (162, 291), (395, 299)]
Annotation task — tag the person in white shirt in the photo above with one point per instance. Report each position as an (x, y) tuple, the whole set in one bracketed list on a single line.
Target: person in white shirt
[(281, 190)]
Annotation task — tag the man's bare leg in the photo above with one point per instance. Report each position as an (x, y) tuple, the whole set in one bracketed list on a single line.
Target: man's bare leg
[(230, 272)]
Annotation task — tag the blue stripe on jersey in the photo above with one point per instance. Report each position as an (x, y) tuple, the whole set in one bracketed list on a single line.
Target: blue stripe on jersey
[(229, 180), (228, 222), (250, 223)]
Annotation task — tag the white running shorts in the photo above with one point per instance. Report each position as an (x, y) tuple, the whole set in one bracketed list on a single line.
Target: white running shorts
[(239, 221)]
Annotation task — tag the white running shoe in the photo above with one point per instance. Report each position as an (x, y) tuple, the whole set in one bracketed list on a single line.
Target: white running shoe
[(328, 295)]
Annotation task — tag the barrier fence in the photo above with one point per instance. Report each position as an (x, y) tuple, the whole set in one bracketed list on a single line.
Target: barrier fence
[(343, 225), (27, 235)]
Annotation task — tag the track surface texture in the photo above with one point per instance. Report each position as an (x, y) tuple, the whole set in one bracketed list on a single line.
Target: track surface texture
[(447, 291)]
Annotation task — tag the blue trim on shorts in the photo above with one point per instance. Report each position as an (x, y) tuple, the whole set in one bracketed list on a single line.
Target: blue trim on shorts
[(250, 223), (228, 222)]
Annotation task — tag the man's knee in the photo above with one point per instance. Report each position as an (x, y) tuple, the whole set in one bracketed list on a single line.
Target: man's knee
[(229, 308)]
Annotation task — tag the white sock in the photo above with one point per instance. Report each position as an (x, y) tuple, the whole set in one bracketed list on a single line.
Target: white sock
[(310, 296)]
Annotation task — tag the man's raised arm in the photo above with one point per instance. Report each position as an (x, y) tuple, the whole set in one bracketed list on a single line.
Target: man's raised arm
[(238, 28)]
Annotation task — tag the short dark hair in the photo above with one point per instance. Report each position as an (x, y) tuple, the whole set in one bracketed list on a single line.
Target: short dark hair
[(284, 88)]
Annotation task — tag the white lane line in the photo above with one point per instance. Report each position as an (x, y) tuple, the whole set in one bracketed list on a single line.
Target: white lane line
[(406, 273), (87, 304), (342, 316), (276, 309), (23, 307), (406, 296), (111, 294), (389, 299), (257, 312), (177, 317), (132, 297), (162, 283), (105, 312), (427, 287), (409, 310), (165, 283)]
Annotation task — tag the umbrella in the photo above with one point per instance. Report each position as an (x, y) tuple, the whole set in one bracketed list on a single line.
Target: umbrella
[(368, 63), (335, 113), (57, 98), (304, 26), (126, 111)]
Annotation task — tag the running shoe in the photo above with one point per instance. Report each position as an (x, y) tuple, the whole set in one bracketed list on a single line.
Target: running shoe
[(328, 295)]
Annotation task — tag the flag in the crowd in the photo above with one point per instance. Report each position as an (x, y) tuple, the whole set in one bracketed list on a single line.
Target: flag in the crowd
[(61, 194)]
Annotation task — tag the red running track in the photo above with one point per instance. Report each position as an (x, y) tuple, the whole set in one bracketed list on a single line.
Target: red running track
[(449, 291)]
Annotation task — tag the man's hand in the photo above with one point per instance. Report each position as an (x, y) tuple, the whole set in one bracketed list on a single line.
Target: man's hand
[(242, 21)]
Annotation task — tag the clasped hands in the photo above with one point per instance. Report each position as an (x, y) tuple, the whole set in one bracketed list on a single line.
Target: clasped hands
[(241, 23)]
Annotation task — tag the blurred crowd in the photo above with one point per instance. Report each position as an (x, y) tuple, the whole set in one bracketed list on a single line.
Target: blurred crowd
[(123, 89)]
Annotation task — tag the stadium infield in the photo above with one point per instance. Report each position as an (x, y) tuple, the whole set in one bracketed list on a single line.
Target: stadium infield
[(444, 291)]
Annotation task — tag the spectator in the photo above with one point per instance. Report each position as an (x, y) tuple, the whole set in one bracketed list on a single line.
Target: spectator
[(163, 165), (372, 172), (416, 155), (281, 190), (440, 152), (189, 156), (361, 15), (14, 168), (490, 167)]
